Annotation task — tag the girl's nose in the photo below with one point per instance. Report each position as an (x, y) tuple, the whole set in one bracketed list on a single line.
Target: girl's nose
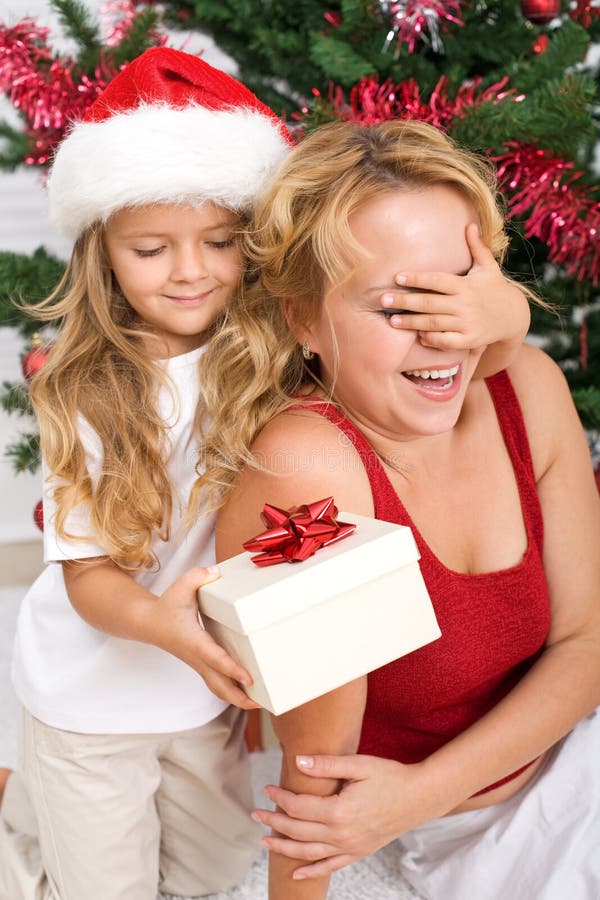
[(189, 265)]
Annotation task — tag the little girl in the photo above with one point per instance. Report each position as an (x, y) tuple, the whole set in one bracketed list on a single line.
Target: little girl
[(133, 773)]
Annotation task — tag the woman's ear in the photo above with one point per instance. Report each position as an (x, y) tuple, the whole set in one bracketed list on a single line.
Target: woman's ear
[(303, 333), (300, 332), (288, 313)]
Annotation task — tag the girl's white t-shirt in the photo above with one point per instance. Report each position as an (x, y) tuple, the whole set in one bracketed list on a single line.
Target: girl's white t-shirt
[(74, 677)]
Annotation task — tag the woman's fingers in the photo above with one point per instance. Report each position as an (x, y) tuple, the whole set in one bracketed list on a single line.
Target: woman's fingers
[(312, 852), (323, 867), (309, 807), (296, 829)]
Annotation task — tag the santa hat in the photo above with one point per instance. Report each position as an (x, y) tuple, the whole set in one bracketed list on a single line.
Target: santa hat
[(169, 128)]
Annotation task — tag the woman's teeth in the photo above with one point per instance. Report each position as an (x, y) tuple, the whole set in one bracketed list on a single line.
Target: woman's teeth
[(433, 373)]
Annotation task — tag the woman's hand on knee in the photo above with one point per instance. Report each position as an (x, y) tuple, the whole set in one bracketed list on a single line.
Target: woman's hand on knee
[(330, 832)]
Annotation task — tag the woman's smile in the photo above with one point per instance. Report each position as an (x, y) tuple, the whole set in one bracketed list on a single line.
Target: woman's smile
[(438, 384)]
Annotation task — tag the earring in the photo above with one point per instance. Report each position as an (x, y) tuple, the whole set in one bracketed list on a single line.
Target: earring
[(306, 351)]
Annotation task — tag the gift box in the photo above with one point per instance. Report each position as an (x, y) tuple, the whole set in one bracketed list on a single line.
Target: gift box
[(305, 628)]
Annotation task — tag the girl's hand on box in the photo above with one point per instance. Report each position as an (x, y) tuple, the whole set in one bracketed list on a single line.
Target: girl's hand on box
[(179, 631), (379, 801), (109, 599), (458, 312)]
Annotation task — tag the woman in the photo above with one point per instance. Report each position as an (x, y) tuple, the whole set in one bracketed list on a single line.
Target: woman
[(461, 742)]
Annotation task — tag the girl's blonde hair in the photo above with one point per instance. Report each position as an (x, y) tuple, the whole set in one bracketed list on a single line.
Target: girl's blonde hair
[(300, 244), (99, 369)]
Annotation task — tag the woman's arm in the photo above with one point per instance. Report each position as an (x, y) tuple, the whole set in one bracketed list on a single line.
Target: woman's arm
[(558, 691), (110, 600), (300, 455), (331, 721)]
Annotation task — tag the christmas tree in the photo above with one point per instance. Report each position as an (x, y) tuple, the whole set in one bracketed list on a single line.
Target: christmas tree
[(513, 80)]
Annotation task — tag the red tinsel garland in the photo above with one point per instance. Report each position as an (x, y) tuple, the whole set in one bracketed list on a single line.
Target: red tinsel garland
[(117, 17), (539, 186), (411, 21), (372, 102), (49, 92), (559, 212)]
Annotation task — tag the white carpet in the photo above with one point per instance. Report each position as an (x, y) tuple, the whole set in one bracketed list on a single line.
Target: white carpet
[(376, 878)]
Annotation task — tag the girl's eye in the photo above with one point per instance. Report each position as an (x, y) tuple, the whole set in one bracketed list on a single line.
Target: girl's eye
[(221, 245), (144, 253)]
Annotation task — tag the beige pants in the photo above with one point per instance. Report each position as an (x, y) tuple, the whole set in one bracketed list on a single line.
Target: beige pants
[(119, 817)]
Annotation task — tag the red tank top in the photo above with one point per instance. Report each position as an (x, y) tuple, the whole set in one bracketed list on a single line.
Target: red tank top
[(493, 625)]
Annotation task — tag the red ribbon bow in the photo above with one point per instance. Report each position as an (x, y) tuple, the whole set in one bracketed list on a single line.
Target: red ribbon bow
[(297, 533)]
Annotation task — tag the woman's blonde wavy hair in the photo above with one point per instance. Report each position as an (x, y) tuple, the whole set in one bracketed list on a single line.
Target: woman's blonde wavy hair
[(299, 246), (99, 368)]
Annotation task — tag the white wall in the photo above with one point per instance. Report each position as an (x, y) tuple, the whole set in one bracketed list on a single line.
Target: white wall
[(23, 227)]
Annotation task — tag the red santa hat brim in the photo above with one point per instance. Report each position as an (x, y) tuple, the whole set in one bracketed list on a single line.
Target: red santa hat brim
[(168, 129)]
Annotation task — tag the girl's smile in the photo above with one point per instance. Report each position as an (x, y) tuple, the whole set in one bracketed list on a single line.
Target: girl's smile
[(189, 301)]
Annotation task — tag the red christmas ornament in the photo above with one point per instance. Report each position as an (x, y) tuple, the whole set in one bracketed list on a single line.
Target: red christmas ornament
[(540, 11), (540, 45), (584, 13), (34, 359), (38, 514)]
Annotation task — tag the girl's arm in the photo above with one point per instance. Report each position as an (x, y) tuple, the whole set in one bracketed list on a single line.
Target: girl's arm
[(558, 691), (454, 312), (110, 600), (332, 722)]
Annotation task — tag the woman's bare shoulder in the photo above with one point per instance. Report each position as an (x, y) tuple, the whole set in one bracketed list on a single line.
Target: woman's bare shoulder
[(299, 457), (538, 381), (550, 416)]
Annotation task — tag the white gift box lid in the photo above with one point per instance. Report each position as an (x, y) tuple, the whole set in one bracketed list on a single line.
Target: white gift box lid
[(248, 597)]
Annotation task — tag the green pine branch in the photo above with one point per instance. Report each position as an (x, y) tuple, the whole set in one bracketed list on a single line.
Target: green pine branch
[(539, 119), (80, 25), (353, 13), (141, 36), (338, 59), (587, 403), (27, 280), (25, 452), (15, 398), (566, 49)]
